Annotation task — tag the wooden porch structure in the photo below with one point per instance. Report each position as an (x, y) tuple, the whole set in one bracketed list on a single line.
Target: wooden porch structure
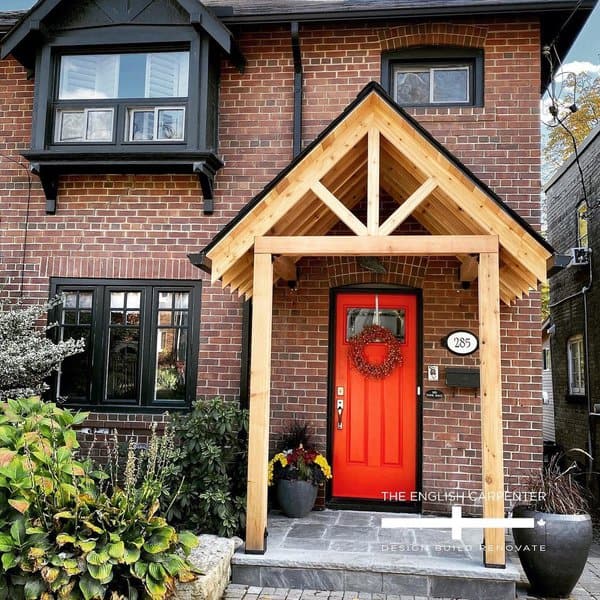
[(375, 146)]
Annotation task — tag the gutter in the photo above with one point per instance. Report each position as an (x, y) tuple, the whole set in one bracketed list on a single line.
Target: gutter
[(298, 81), (226, 16)]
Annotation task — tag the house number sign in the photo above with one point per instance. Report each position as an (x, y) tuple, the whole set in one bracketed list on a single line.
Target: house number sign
[(462, 342)]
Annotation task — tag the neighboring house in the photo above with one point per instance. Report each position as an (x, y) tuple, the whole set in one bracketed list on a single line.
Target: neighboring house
[(574, 222), (161, 128), (547, 392)]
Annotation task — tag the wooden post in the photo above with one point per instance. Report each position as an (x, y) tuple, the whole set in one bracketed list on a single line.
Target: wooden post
[(373, 181), (260, 396), (491, 406)]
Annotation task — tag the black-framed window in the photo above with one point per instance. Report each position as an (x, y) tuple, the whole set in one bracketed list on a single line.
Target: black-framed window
[(126, 97), (434, 76), (576, 365), (141, 339)]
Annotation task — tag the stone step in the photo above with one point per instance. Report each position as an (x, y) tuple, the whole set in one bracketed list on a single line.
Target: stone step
[(429, 577)]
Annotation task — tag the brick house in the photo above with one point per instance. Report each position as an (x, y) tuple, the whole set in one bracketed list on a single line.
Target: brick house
[(158, 129), (574, 348)]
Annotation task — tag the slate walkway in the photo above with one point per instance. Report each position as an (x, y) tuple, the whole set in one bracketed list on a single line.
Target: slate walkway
[(305, 538)]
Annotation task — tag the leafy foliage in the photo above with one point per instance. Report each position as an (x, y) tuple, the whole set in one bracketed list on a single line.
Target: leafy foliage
[(297, 434), (64, 532), (210, 469), (27, 355), (583, 90)]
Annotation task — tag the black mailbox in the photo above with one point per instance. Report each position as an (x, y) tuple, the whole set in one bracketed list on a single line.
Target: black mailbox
[(462, 377)]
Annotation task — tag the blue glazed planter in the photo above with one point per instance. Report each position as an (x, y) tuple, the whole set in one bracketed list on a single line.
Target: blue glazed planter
[(296, 498)]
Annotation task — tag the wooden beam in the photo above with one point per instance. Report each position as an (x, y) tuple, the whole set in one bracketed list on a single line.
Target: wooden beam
[(339, 209), (407, 207), (285, 268), (395, 245), (491, 406), (469, 269), (260, 395), (373, 164)]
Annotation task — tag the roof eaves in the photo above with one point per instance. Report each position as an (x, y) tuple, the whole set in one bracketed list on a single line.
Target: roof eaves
[(348, 13)]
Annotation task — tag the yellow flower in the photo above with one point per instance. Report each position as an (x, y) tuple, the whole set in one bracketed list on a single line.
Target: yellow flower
[(324, 465), (278, 458)]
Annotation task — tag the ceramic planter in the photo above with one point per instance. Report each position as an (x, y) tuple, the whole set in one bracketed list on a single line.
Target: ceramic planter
[(554, 552), (296, 498)]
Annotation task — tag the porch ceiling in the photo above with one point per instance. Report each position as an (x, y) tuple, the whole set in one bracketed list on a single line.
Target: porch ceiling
[(376, 147)]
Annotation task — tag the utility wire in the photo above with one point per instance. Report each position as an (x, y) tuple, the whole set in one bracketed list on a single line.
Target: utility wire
[(27, 216)]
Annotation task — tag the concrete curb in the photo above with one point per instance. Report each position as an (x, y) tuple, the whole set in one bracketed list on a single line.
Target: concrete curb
[(213, 558)]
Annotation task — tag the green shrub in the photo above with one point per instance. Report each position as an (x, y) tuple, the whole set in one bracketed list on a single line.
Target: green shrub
[(210, 469), (65, 532)]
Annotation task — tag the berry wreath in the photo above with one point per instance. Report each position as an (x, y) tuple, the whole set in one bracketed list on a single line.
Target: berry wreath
[(370, 334)]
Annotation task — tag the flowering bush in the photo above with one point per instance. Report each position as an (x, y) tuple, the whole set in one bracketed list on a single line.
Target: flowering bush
[(27, 355), (299, 463)]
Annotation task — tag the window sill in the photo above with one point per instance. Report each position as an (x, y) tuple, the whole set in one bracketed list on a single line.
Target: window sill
[(50, 164), (116, 409)]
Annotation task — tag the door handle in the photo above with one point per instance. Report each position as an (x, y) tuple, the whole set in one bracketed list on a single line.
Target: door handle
[(340, 412)]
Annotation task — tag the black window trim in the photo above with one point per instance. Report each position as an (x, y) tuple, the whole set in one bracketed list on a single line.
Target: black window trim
[(438, 56), (101, 288)]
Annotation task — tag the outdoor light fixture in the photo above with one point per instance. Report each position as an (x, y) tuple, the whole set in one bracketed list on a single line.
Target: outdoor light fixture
[(371, 263)]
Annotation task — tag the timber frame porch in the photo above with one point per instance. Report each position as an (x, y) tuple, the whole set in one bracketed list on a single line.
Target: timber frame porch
[(374, 146)]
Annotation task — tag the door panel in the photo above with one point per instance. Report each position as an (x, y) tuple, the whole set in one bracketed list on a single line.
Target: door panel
[(375, 451)]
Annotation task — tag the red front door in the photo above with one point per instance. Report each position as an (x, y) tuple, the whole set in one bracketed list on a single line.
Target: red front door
[(375, 440)]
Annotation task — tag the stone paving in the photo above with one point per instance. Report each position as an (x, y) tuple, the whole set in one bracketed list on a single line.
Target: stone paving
[(349, 550), (352, 533)]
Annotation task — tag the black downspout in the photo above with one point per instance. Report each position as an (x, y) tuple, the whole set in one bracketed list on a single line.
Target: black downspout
[(298, 80), (588, 387)]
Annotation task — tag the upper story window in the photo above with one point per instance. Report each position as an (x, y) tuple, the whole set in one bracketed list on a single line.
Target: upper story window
[(576, 365), (434, 76), (145, 92), (582, 226)]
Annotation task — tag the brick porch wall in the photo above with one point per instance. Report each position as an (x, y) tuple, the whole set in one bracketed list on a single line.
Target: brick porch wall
[(143, 226)]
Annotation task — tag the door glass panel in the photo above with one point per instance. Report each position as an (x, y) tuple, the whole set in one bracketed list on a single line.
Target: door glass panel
[(171, 346), (390, 318), (122, 381)]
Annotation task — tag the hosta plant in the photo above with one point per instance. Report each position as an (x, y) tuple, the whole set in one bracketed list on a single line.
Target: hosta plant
[(66, 531)]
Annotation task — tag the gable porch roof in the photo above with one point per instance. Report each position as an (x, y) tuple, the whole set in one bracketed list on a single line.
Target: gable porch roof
[(334, 173)]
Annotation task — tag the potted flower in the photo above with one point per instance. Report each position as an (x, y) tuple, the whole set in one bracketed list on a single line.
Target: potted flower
[(298, 472), (554, 552)]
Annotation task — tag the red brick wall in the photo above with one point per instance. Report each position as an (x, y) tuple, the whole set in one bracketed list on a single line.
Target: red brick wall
[(143, 226)]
